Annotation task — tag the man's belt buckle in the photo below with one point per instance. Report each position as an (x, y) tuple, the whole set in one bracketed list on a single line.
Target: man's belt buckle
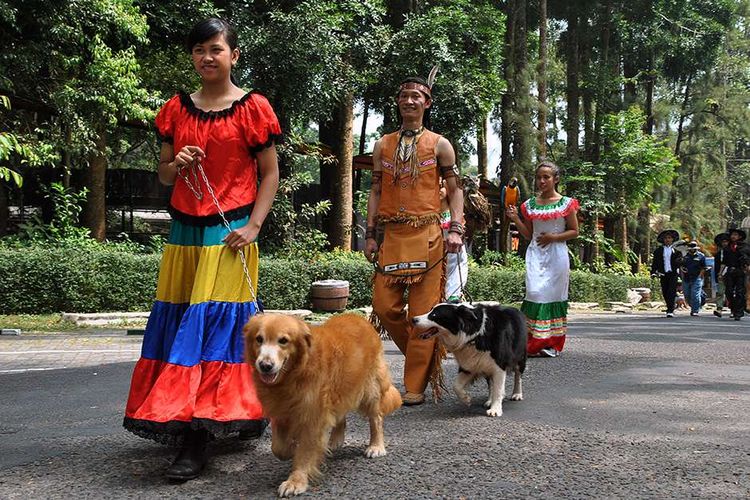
[(403, 266)]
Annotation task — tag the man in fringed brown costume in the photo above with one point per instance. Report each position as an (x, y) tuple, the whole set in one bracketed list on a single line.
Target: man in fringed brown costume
[(405, 203)]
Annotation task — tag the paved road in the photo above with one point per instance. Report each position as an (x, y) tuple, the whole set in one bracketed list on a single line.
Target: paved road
[(637, 407)]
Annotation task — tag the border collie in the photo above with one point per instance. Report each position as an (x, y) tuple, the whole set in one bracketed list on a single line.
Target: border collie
[(486, 340)]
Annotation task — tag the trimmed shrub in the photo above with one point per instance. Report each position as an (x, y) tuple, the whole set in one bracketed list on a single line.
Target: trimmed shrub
[(40, 280), (285, 284), (496, 283)]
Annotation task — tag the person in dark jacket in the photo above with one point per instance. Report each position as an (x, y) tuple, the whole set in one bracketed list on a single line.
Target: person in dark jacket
[(665, 264), (736, 260), (693, 271), (722, 242)]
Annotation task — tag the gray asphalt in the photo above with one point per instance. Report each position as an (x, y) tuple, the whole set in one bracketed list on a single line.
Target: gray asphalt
[(637, 407)]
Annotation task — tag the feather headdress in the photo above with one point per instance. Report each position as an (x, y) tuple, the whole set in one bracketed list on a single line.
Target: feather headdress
[(432, 75)]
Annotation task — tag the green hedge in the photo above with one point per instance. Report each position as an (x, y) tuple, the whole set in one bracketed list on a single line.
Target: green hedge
[(38, 280)]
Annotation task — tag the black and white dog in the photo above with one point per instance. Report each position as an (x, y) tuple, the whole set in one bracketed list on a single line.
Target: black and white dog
[(486, 340)]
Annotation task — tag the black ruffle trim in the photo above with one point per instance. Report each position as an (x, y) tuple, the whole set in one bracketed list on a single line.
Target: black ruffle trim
[(189, 105), (210, 220), (173, 432), (164, 138), (273, 138)]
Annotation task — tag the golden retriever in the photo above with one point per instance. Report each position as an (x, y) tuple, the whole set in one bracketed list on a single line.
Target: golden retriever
[(309, 378)]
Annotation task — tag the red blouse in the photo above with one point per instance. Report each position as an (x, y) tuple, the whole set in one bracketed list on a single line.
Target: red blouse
[(230, 138)]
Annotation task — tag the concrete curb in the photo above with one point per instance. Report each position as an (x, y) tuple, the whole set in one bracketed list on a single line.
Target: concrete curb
[(118, 318)]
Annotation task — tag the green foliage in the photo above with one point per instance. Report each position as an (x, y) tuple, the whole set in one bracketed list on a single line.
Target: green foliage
[(64, 228), (507, 260), (590, 287), (77, 58), (291, 230), (633, 163), (739, 191), (39, 280), (306, 55), (496, 283), (19, 149), (463, 37)]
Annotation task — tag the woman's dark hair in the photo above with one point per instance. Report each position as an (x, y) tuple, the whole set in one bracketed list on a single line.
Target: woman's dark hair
[(550, 165), (209, 28)]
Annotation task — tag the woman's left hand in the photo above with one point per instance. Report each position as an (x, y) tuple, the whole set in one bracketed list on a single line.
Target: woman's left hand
[(241, 237), (545, 239)]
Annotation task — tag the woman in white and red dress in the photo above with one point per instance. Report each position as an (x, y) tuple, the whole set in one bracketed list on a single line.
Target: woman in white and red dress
[(549, 221)]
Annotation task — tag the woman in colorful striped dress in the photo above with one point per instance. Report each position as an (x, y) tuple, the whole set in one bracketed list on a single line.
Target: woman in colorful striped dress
[(549, 220), (191, 382)]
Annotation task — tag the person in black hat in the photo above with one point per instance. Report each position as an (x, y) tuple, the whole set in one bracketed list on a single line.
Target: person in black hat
[(693, 270), (736, 260), (722, 242), (665, 264)]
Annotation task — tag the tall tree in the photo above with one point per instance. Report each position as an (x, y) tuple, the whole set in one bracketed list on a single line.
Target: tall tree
[(572, 58), (77, 61), (542, 78)]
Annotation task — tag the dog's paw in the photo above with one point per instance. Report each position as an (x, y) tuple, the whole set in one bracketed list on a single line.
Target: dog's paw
[(375, 451), (335, 442), (465, 399), (462, 395), (517, 397), (494, 412), (292, 487)]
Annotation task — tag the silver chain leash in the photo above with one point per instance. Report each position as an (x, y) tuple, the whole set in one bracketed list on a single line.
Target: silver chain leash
[(196, 189), (199, 194)]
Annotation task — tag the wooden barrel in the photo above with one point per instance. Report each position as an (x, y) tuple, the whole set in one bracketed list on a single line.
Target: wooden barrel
[(329, 295)]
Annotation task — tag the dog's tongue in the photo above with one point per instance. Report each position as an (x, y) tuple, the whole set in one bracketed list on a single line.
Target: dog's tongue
[(428, 333)]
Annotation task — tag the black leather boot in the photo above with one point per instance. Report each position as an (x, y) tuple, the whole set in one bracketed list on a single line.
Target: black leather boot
[(254, 431), (191, 458)]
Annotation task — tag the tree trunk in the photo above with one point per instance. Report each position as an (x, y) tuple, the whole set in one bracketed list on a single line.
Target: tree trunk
[(523, 133), (506, 112), (336, 177), (67, 164), (482, 159), (650, 83), (588, 96), (629, 70), (603, 103), (723, 196), (328, 135), (621, 235), (609, 232), (678, 141), (644, 214), (4, 210), (542, 79), (643, 236), (341, 235), (572, 89), (363, 130), (96, 177), (604, 97)]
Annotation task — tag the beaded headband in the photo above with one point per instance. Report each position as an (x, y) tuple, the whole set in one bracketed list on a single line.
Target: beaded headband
[(416, 86), (425, 89)]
